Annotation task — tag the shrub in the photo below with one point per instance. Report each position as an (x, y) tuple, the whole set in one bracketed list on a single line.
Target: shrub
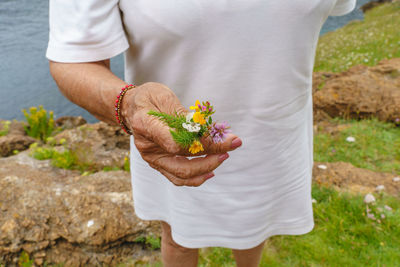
[(40, 122)]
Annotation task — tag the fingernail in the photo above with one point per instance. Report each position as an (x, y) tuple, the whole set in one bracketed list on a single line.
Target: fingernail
[(223, 157), (209, 175), (236, 143)]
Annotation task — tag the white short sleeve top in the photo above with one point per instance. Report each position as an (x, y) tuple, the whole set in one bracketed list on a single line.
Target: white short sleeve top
[(253, 60)]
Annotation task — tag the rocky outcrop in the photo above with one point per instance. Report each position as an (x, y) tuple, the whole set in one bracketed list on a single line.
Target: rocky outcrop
[(15, 140), (361, 92), (372, 4), (346, 177), (59, 216)]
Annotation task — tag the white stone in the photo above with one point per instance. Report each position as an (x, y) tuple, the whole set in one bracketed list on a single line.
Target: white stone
[(90, 223), (369, 198), (380, 187), (350, 139), (396, 179), (323, 167), (58, 191)]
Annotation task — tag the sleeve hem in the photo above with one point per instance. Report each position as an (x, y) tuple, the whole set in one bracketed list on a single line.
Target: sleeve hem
[(87, 53), (343, 9)]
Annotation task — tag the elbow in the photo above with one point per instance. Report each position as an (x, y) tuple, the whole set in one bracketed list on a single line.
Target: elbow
[(53, 68)]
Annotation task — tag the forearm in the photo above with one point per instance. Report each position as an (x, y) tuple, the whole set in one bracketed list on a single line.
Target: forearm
[(91, 86)]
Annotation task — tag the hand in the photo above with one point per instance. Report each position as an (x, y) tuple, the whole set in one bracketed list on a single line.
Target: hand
[(154, 141)]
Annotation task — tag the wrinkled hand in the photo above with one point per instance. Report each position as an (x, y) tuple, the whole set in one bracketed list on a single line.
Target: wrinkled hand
[(154, 141)]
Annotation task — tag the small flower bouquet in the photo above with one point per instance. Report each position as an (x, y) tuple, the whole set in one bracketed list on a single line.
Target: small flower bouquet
[(187, 130)]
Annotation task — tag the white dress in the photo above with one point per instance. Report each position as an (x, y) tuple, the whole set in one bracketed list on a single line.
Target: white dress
[(253, 60)]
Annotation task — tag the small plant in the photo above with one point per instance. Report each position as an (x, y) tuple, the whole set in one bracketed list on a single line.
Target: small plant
[(150, 241), (153, 242), (40, 122), (61, 158), (109, 168), (24, 260), (5, 127), (127, 166)]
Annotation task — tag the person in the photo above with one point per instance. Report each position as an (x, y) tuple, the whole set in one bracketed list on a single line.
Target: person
[(253, 60)]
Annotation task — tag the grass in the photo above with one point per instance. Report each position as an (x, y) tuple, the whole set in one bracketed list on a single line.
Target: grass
[(376, 146), (343, 234), (365, 42)]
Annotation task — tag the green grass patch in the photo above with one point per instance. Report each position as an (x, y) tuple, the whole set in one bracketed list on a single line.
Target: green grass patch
[(365, 42), (376, 146), (343, 234)]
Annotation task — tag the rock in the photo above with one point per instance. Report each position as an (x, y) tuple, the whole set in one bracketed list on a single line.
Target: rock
[(46, 212), (322, 166), (380, 188), (361, 92), (69, 122), (99, 145), (11, 142), (14, 127)]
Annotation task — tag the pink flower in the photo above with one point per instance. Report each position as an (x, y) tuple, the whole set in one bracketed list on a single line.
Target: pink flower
[(219, 131)]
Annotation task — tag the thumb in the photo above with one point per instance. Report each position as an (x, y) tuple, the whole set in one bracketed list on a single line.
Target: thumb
[(231, 143)]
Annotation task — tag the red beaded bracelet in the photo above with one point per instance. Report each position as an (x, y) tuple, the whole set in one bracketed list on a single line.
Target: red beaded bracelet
[(118, 102)]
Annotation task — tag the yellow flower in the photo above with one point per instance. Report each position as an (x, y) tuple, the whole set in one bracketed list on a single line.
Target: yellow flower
[(199, 118), (196, 106), (195, 147)]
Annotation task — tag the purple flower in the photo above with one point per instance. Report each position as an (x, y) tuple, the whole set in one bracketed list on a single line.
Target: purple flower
[(219, 131)]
